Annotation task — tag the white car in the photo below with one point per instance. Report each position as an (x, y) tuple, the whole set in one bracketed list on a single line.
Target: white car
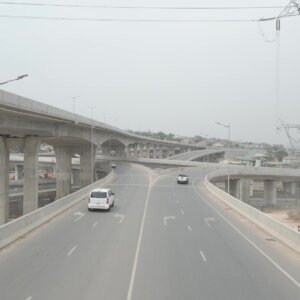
[(101, 199), (182, 179)]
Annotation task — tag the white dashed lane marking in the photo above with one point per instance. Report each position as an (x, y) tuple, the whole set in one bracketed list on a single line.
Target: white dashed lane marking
[(203, 256), (71, 251)]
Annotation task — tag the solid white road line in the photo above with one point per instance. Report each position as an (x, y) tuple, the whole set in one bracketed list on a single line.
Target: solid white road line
[(95, 224), (189, 227), (71, 251), (297, 283), (137, 252), (203, 256), (29, 298)]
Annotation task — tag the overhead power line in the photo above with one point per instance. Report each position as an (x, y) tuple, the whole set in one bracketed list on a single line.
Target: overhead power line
[(127, 20), (142, 7), (130, 20)]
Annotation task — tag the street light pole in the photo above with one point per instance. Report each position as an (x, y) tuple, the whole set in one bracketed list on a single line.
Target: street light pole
[(18, 78), (92, 144), (228, 149), (74, 99)]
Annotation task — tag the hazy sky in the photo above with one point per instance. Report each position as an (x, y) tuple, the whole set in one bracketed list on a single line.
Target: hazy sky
[(175, 77)]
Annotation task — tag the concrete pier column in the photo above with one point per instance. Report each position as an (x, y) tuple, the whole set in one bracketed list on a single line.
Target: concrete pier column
[(171, 151), (160, 152), (150, 151), (252, 183), (19, 169), (126, 151), (4, 181), (147, 151), (138, 150), (297, 193), (63, 170), (245, 190), (31, 177), (270, 192), (87, 163), (289, 188), (75, 179), (234, 187)]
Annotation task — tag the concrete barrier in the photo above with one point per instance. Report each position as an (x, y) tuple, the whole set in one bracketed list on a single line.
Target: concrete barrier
[(11, 231), (277, 229)]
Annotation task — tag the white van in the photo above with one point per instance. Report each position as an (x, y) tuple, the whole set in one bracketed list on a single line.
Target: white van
[(101, 199)]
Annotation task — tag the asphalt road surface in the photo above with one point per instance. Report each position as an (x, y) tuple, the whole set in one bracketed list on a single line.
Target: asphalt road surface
[(161, 241)]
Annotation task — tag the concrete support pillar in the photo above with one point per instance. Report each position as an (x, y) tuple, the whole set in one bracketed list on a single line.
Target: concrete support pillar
[(126, 151), (244, 190), (4, 181), (87, 164), (139, 151), (19, 169), (234, 187), (167, 152), (63, 170), (270, 192), (160, 152), (289, 188), (297, 193), (251, 188), (148, 151), (154, 152), (31, 177), (75, 179)]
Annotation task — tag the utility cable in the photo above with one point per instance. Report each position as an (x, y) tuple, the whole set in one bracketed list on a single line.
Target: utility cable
[(142, 7), (130, 20)]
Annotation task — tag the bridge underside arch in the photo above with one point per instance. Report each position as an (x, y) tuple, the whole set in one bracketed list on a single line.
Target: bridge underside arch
[(112, 147)]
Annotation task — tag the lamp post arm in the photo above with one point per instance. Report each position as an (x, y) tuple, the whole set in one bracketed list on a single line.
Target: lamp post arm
[(18, 78)]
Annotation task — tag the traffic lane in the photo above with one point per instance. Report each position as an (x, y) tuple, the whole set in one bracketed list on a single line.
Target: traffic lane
[(171, 264), (131, 174), (50, 262), (262, 279), (170, 177), (278, 252)]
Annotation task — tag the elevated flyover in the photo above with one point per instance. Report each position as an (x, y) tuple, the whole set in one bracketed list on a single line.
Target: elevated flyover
[(25, 123)]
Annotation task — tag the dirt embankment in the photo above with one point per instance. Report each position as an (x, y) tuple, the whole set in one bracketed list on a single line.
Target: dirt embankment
[(290, 217), (294, 214)]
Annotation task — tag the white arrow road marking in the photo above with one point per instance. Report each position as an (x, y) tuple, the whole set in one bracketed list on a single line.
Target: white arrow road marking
[(79, 214), (168, 218), (207, 220), (122, 217)]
